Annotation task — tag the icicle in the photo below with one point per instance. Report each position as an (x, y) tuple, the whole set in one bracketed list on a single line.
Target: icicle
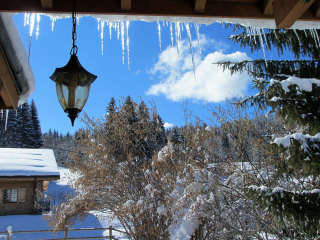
[(38, 22), (297, 36), (101, 35), (26, 19), (254, 32), (110, 28), (127, 31), (314, 37), (31, 26), (171, 33), (305, 33), (1, 112), (179, 30), (53, 19), (118, 29), (197, 27), (265, 38), (99, 25), (78, 21), (122, 40), (316, 33), (159, 34), (262, 46), (5, 126), (191, 49), (176, 25)]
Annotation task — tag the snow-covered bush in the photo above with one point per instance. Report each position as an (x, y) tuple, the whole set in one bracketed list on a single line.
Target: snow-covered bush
[(191, 189)]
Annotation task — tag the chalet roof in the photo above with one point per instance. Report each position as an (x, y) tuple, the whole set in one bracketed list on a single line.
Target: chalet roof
[(28, 162), (17, 79)]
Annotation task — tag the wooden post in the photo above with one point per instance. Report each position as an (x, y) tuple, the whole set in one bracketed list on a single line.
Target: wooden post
[(9, 230), (66, 232), (110, 232)]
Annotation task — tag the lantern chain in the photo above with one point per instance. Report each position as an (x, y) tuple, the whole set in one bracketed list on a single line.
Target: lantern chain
[(74, 49)]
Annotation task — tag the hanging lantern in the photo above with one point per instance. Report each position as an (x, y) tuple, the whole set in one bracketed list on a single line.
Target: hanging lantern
[(73, 81)]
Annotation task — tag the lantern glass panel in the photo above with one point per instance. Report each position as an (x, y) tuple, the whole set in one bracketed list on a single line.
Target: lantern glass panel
[(73, 90)]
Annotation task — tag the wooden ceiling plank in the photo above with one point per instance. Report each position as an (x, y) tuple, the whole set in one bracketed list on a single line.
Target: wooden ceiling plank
[(2, 104), (125, 5), (6, 99), (9, 92), (199, 5), (166, 8), (47, 3), (316, 8), (177, 8), (1, 85), (286, 12), (267, 7)]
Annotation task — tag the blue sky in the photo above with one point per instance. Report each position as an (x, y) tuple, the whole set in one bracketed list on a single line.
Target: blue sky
[(163, 77)]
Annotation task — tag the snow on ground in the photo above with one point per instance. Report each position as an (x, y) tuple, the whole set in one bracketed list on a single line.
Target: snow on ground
[(57, 189)]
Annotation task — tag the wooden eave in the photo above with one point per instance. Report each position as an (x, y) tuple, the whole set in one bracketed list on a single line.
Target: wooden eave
[(9, 96), (29, 178), (284, 12)]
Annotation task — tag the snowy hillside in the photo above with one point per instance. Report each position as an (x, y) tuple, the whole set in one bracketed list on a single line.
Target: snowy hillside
[(37, 222)]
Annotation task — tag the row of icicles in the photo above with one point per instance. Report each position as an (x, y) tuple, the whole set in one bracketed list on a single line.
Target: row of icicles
[(121, 27)]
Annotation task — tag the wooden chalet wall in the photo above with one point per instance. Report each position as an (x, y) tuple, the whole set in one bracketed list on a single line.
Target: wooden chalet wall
[(17, 208)]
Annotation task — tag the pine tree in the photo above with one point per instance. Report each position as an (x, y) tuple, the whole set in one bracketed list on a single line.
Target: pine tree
[(158, 131), (144, 141), (25, 126), (175, 137), (3, 118), (292, 91), (55, 134), (36, 134), (130, 121), (12, 134)]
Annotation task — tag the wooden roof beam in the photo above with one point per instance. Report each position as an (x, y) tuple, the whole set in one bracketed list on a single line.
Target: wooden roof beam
[(267, 7), (286, 12), (176, 8), (316, 8), (125, 5), (47, 3), (199, 5)]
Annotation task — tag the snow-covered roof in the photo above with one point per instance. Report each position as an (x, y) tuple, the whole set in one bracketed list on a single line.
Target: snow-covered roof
[(28, 162), (20, 52)]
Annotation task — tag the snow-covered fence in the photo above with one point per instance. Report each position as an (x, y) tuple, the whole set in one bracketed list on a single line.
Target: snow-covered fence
[(9, 232)]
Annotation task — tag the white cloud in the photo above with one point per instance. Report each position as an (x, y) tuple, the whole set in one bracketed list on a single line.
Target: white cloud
[(212, 84), (168, 125)]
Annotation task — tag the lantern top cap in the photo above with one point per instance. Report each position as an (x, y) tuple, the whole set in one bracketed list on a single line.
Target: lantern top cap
[(73, 66)]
